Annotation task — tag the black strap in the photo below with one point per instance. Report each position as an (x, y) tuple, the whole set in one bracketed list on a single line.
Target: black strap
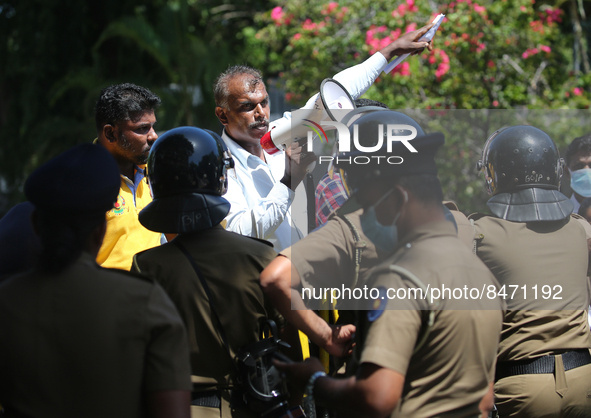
[(210, 299)]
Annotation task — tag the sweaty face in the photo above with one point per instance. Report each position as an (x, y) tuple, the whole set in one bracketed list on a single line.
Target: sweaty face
[(134, 139), (247, 116)]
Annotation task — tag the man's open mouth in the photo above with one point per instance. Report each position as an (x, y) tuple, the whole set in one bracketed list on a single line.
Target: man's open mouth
[(260, 126)]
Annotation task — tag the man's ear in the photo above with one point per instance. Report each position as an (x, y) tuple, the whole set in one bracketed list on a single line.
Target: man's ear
[(220, 112), (109, 133)]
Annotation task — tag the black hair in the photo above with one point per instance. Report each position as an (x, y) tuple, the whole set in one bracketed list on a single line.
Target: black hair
[(368, 102), (585, 204), (62, 239), (580, 144), (220, 88), (123, 102), (424, 187)]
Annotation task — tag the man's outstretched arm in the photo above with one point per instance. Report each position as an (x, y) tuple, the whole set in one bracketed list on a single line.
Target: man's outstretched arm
[(280, 281)]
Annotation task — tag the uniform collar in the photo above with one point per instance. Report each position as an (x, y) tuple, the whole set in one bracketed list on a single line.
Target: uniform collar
[(429, 230)]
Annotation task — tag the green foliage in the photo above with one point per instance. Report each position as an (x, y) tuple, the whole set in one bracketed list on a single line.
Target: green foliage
[(487, 55), (57, 55)]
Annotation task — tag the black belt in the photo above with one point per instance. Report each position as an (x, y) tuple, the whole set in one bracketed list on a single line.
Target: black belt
[(571, 360), (208, 398)]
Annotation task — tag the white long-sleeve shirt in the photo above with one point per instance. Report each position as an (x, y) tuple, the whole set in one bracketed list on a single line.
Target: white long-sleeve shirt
[(260, 203)]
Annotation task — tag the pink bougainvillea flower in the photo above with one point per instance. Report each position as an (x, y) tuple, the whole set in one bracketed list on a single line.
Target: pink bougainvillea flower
[(495, 103), (277, 15), (537, 26), (308, 25), (577, 91), (332, 6), (411, 27), (479, 9), (405, 70), (411, 6)]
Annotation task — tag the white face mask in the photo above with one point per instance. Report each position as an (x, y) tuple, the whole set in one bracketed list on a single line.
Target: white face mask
[(580, 181), (384, 237)]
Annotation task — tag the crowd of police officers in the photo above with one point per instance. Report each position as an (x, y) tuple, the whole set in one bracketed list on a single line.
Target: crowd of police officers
[(80, 340)]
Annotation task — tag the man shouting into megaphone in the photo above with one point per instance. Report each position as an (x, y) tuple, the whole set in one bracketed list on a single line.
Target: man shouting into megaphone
[(263, 187)]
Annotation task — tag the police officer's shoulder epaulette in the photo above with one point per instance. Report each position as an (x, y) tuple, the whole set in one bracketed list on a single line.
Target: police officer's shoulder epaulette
[(584, 223), (451, 205), (264, 241), (131, 274), (477, 215)]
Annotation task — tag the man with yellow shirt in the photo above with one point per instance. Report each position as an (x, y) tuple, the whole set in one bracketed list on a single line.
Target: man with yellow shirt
[(125, 121)]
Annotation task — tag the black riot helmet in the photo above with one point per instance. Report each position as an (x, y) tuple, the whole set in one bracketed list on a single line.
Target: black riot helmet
[(187, 170), (389, 144), (522, 169)]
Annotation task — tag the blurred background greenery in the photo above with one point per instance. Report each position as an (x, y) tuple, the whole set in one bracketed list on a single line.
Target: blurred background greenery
[(56, 56)]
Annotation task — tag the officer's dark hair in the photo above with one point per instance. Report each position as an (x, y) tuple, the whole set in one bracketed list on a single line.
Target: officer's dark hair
[(220, 87), (369, 102), (121, 102), (424, 187), (585, 204), (580, 144), (62, 239)]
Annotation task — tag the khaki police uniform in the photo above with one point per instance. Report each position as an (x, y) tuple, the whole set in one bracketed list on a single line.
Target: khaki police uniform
[(231, 264), (452, 369), (327, 257), (87, 342), (336, 255), (546, 327)]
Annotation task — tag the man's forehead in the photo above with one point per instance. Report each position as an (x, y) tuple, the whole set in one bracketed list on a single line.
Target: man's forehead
[(582, 156), (147, 116), (246, 85)]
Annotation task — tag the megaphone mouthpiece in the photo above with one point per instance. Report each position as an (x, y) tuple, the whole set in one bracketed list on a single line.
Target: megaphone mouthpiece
[(283, 132), (268, 145)]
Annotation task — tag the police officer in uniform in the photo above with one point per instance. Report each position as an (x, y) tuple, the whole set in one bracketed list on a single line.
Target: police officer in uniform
[(538, 253), (78, 340), (417, 358), (187, 170), (337, 255)]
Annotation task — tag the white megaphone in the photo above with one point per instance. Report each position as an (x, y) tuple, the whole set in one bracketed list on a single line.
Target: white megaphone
[(283, 132)]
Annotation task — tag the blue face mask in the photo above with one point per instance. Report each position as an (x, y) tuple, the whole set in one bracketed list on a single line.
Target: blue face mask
[(384, 237), (580, 181)]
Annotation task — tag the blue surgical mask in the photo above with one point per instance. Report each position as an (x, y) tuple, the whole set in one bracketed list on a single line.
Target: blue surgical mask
[(580, 181), (384, 237)]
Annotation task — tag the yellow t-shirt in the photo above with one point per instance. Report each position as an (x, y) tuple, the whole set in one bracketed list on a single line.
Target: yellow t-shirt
[(125, 234)]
